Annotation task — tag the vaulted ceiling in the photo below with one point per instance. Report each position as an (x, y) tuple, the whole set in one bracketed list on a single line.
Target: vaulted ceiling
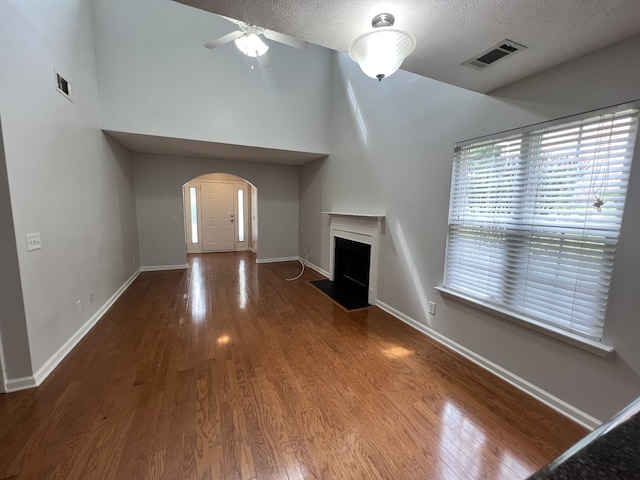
[(451, 32)]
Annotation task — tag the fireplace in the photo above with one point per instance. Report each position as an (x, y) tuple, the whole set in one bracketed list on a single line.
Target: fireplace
[(359, 229), (354, 244), (352, 261)]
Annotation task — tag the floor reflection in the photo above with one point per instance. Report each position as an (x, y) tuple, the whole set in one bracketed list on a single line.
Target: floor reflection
[(461, 442), (242, 284), (465, 448), (510, 466), (197, 294), (396, 351)]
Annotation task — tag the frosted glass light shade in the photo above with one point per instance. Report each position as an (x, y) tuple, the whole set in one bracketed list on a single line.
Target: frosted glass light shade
[(251, 45), (381, 51)]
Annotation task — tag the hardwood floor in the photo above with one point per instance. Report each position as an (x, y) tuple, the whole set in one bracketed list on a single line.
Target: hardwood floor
[(228, 371)]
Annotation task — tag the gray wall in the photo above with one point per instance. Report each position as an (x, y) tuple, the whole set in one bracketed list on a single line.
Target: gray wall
[(159, 180), (392, 145), (156, 78), (66, 180), (13, 327)]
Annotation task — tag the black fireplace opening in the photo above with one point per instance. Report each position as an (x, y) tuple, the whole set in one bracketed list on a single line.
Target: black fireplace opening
[(351, 267), (350, 285)]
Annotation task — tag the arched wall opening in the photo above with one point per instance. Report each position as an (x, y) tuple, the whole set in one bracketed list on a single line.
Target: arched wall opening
[(220, 214), (159, 181)]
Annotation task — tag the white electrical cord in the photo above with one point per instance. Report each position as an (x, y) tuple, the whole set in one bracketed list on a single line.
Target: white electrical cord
[(306, 259)]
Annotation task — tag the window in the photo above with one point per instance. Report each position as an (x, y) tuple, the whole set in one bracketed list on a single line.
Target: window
[(534, 218), (194, 214), (240, 215)]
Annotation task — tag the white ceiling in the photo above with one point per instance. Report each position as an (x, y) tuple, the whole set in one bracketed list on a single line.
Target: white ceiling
[(451, 32)]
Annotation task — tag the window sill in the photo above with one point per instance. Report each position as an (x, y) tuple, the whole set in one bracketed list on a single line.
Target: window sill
[(592, 346)]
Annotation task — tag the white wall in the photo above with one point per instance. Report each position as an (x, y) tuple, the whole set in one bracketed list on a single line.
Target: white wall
[(392, 145), (66, 180), (158, 185), (156, 78)]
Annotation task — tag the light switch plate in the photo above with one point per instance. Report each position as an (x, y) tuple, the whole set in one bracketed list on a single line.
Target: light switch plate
[(432, 308), (33, 241)]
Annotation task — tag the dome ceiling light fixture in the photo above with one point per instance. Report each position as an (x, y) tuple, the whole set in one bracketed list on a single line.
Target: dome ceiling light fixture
[(381, 51)]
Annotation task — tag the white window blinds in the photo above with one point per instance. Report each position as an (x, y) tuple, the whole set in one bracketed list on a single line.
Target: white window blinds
[(534, 218)]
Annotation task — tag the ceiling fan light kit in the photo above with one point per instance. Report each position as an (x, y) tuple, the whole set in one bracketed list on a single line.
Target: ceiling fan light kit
[(251, 45), (381, 51), (248, 39)]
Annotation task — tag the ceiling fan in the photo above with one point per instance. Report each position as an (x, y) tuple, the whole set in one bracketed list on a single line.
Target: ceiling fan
[(248, 40)]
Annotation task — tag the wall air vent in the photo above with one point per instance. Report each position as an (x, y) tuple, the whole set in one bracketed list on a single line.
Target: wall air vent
[(494, 54), (63, 86)]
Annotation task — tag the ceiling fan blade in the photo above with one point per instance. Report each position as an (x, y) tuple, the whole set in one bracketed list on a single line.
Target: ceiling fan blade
[(264, 61), (237, 22), (285, 39), (229, 37)]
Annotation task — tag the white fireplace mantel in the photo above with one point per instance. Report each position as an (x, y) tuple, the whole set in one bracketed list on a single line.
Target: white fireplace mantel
[(361, 228), (356, 215)]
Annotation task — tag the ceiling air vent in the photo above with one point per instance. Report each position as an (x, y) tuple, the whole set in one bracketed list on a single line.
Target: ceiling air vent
[(494, 54)]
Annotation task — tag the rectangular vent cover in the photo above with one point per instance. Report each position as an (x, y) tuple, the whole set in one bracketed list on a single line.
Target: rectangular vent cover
[(494, 54), (63, 86)]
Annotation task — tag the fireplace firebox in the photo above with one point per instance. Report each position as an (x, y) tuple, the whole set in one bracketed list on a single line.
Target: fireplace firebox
[(351, 268)]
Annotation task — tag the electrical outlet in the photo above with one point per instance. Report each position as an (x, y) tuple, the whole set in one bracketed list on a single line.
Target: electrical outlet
[(432, 308), (90, 296), (173, 218), (79, 306), (33, 241)]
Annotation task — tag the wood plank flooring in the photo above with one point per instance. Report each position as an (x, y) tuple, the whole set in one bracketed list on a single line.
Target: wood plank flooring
[(228, 371)]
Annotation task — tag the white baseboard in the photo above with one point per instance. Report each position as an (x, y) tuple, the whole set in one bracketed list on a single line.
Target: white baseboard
[(276, 260), (17, 384), (307, 263), (539, 394), (159, 268), (13, 385)]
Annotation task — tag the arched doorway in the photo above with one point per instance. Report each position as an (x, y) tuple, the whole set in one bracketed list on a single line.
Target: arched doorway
[(220, 214)]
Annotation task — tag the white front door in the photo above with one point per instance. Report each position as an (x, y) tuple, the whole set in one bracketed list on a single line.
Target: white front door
[(217, 216)]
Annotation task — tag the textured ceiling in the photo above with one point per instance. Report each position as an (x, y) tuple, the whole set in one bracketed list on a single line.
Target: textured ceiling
[(450, 32)]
